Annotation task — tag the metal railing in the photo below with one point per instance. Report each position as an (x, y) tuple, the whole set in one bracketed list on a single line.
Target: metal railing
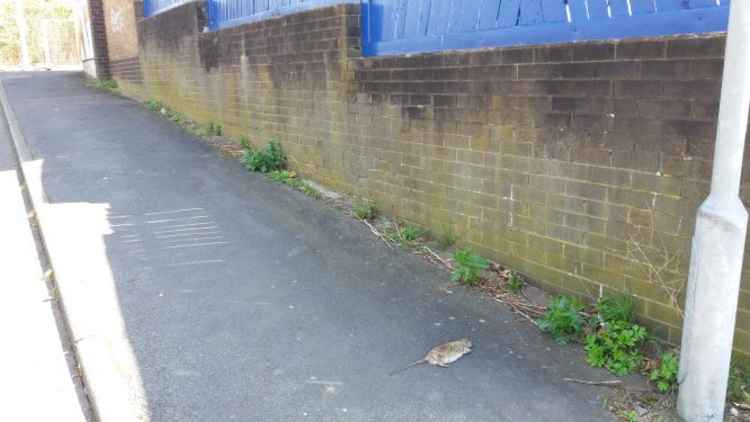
[(153, 7), (226, 13)]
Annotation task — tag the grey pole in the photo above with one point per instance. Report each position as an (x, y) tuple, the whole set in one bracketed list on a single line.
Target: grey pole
[(718, 243)]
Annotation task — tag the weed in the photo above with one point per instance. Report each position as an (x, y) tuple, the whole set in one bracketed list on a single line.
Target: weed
[(153, 105), (515, 282), (617, 347), (410, 233), (109, 85), (264, 160), (290, 179), (616, 308), (214, 129), (310, 191), (665, 375), (469, 266), (364, 209), (282, 176), (177, 117), (738, 390), (630, 416), (563, 319), (447, 238)]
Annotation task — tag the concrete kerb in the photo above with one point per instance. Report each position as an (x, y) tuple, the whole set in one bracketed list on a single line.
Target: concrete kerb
[(111, 380)]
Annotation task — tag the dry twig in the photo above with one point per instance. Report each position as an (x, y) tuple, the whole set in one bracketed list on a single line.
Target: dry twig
[(610, 383), (377, 233), (671, 286), (438, 257)]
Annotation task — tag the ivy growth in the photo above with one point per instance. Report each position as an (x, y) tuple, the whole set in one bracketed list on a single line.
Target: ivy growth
[(664, 376), (617, 347)]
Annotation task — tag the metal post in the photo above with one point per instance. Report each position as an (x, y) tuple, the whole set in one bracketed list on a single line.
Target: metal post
[(718, 243)]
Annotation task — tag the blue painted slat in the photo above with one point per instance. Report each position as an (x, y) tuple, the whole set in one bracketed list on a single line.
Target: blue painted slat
[(367, 39), (578, 12), (509, 10), (619, 7), (439, 14), (531, 12), (376, 19), (670, 5), (399, 19), (554, 11), (694, 4), (388, 12), (463, 16), (226, 13), (640, 7), (455, 17), (413, 20), (488, 13), (597, 10)]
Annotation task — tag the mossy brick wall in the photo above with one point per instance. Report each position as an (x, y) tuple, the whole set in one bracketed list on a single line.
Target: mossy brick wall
[(580, 165)]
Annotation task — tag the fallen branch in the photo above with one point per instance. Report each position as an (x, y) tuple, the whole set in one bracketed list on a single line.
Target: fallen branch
[(377, 233), (741, 406), (518, 311), (611, 383), (438, 257)]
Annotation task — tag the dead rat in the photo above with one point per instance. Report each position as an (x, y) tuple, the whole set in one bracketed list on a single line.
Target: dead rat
[(443, 354)]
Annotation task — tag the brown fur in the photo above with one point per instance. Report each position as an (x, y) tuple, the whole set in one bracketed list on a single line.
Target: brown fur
[(443, 354)]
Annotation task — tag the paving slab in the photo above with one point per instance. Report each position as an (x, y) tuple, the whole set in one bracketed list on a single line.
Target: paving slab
[(216, 295)]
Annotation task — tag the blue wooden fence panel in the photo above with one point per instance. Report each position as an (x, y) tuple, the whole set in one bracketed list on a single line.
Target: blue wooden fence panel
[(152, 7), (414, 26), (227, 13)]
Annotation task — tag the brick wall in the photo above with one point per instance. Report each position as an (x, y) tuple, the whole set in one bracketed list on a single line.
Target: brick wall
[(579, 165), (98, 39), (120, 21)]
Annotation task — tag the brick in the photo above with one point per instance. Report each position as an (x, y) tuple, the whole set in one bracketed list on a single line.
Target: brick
[(664, 108), (638, 89), (639, 50), (553, 54), (593, 51), (658, 184), (610, 176), (638, 199), (585, 190), (696, 47), (689, 90)]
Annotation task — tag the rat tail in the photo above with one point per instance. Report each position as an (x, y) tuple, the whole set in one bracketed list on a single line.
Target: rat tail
[(419, 362)]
